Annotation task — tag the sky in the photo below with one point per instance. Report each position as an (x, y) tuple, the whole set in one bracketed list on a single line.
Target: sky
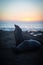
[(21, 10)]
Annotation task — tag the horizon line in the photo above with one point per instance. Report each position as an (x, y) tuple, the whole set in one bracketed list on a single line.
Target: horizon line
[(20, 21)]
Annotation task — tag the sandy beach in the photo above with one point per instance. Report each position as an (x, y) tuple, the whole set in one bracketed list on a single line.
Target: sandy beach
[(8, 57)]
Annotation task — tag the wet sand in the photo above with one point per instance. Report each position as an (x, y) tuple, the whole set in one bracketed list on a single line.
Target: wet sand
[(8, 57)]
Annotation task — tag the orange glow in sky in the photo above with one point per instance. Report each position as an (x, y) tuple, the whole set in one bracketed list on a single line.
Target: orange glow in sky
[(21, 10)]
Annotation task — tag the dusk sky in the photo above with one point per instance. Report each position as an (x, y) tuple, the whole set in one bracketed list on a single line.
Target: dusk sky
[(21, 10)]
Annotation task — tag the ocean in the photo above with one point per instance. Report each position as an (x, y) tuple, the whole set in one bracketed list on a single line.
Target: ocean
[(25, 26)]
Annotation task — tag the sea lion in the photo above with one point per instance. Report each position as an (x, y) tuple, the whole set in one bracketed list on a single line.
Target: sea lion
[(21, 44), (18, 35), (28, 45)]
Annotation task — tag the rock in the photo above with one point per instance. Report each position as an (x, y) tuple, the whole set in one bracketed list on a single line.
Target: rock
[(28, 45), (18, 35)]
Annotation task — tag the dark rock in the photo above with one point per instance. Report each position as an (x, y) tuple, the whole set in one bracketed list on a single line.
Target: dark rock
[(18, 35)]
